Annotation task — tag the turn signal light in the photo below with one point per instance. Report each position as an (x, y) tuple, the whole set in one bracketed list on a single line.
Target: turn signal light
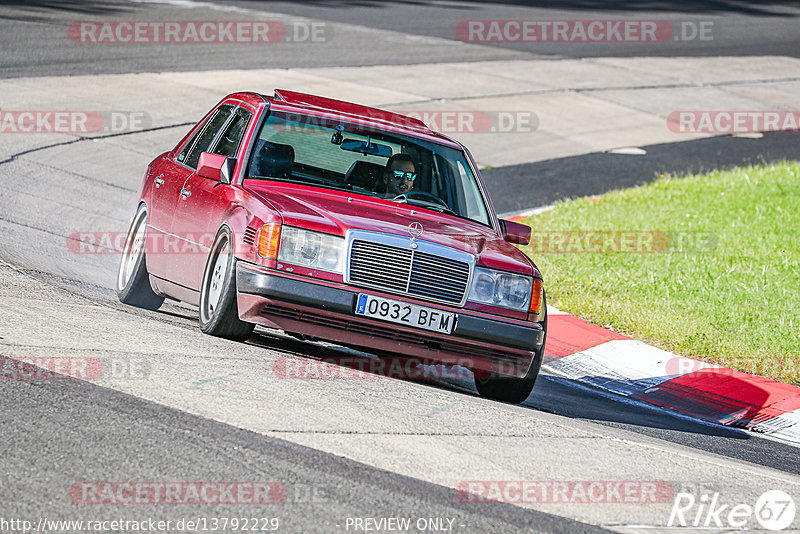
[(536, 298), (269, 236)]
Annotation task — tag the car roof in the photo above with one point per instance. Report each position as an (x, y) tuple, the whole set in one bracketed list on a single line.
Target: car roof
[(286, 100)]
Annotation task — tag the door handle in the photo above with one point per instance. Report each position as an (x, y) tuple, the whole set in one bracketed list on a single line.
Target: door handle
[(159, 180), (185, 192)]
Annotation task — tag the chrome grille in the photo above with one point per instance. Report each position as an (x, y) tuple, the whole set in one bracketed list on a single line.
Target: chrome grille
[(437, 277), (408, 271), (379, 265)]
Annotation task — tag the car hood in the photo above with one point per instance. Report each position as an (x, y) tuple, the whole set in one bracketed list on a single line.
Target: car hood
[(335, 212)]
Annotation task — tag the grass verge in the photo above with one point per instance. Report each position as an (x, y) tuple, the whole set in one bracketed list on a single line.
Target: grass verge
[(707, 266)]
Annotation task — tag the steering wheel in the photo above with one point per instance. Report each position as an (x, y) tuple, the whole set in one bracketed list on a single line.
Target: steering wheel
[(422, 196)]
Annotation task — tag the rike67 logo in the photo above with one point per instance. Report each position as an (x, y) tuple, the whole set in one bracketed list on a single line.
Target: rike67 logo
[(773, 510)]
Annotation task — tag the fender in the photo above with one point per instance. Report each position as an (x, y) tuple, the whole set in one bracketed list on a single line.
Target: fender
[(145, 190), (237, 221)]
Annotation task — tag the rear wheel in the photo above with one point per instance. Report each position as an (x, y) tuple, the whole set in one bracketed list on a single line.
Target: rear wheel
[(133, 282), (219, 315), (514, 390)]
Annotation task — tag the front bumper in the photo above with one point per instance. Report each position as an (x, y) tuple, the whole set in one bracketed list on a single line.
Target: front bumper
[(327, 312)]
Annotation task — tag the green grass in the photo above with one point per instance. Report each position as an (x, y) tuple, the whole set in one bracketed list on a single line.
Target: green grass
[(724, 285)]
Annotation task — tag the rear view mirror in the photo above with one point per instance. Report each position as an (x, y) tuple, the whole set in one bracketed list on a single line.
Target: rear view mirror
[(514, 232), (373, 149), (216, 167)]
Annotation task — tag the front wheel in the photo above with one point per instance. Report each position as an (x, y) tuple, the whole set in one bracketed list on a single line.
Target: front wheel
[(514, 390), (219, 315), (133, 282)]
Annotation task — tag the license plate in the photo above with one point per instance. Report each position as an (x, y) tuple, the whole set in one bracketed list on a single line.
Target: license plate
[(408, 314)]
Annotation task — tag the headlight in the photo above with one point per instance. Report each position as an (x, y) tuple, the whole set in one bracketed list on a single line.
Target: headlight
[(498, 288), (312, 249)]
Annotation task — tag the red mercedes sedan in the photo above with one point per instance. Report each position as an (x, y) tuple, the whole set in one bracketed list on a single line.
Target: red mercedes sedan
[(337, 221)]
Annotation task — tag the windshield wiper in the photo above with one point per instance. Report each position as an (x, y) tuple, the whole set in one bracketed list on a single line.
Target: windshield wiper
[(430, 206), (307, 181)]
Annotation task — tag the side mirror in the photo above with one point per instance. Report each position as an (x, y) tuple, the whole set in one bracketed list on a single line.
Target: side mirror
[(514, 232), (216, 167)]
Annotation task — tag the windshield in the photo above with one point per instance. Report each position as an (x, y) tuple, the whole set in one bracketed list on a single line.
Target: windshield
[(359, 158)]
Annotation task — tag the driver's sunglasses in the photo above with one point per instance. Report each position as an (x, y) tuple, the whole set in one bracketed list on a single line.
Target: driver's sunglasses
[(408, 175)]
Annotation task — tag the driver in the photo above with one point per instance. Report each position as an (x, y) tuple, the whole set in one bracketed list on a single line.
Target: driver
[(399, 174)]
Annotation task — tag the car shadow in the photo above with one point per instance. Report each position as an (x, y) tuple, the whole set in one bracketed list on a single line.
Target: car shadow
[(575, 399), (551, 394), (555, 395)]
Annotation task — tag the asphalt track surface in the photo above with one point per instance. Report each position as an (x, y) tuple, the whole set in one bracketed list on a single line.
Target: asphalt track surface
[(739, 28), (369, 32), (58, 432), (152, 442)]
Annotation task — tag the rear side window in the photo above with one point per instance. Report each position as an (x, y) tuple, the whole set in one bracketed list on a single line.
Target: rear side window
[(201, 140), (230, 139)]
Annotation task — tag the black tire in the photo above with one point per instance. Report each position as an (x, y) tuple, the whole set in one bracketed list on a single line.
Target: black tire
[(133, 282), (219, 315), (514, 390)]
